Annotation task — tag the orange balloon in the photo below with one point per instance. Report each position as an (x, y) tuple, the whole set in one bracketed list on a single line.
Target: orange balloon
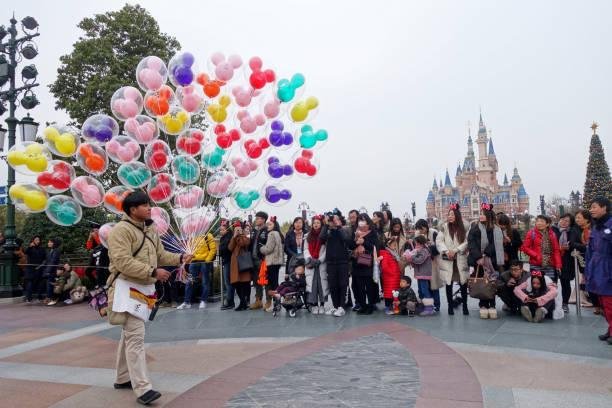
[(85, 150), (165, 92), (95, 162), (159, 106)]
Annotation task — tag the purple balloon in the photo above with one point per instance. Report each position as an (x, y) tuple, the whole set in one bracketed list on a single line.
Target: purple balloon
[(285, 195), (287, 138), (275, 170), (273, 159), (188, 59), (276, 139), (288, 170), (183, 75), (273, 195), (103, 133), (277, 125), (107, 121)]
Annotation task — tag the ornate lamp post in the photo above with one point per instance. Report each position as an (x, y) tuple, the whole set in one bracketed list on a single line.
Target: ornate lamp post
[(16, 48)]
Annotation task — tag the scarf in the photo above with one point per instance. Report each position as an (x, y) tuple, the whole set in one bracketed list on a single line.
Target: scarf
[(563, 239), (586, 233), (546, 248), (498, 241), (314, 243)]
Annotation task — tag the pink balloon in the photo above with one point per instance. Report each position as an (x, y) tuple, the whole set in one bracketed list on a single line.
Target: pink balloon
[(131, 93), (272, 109), (243, 96), (113, 147), (243, 167), (161, 226), (151, 79), (125, 154), (133, 147), (191, 102), (131, 125), (155, 63), (129, 108), (146, 132)]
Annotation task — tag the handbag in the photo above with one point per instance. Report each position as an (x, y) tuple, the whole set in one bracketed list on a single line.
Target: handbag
[(364, 259), (481, 287), (245, 262)]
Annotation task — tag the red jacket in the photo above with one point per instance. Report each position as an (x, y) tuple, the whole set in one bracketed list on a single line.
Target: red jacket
[(391, 273), (532, 246)]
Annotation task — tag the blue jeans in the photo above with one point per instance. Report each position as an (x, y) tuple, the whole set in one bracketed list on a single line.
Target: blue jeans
[(229, 289), (195, 269), (424, 291)]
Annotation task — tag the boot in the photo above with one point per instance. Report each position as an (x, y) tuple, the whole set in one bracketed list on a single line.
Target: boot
[(464, 297), (257, 304), (428, 309), (449, 299), (268, 306)]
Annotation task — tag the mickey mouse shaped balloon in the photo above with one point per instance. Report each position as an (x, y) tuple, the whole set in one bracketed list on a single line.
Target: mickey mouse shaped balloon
[(151, 73), (123, 149), (245, 198), (63, 210), (225, 138), (189, 197), (29, 198), (191, 98), (175, 121), (61, 140), (310, 139), (218, 110), (259, 78), (157, 103), (92, 158), (185, 169), (161, 188), (190, 142), (182, 69), (142, 128), (277, 170), (220, 184), (276, 194), (223, 68), (305, 164), (104, 231), (87, 191), (134, 175), (29, 158), (278, 137), (244, 167), (58, 178), (113, 199), (287, 90), (304, 110), (211, 87), (157, 155), (99, 129), (161, 220), (126, 103)]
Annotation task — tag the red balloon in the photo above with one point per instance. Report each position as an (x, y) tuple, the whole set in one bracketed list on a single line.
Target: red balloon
[(307, 154), (224, 141), (44, 179), (192, 145), (235, 134), (311, 170), (158, 160), (270, 76), (197, 135), (61, 181), (258, 80)]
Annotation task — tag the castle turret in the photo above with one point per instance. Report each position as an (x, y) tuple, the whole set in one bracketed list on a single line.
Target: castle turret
[(481, 141)]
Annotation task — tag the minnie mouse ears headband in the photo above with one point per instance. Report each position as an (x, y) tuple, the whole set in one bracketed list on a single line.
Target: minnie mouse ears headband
[(536, 273), (486, 207), (318, 217), (453, 206), (273, 218)]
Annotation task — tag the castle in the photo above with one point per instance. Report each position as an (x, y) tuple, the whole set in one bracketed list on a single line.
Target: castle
[(476, 183)]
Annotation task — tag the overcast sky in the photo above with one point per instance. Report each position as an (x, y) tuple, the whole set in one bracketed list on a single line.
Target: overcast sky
[(398, 81)]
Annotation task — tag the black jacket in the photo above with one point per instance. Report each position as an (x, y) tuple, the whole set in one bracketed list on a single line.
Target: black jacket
[(511, 249), (337, 242), (574, 238), (406, 295), (258, 239), (224, 251), (52, 262), (290, 246), (370, 242), (475, 253), (36, 255)]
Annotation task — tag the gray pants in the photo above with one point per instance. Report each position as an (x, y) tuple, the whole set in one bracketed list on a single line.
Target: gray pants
[(316, 295)]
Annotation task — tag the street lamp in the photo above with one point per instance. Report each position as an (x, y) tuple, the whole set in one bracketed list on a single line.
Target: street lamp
[(2, 137), (12, 48), (28, 129)]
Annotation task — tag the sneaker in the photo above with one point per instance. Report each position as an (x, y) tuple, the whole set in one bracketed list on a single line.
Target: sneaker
[(389, 311), (411, 313), (565, 308), (314, 310), (330, 311), (52, 302), (604, 337), (202, 305), (484, 313), (339, 312), (526, 313), (492, 313), (68, 301), (269, 309), (228, 306), (540, 314), (184, 305), (356, 308), (123, 386)]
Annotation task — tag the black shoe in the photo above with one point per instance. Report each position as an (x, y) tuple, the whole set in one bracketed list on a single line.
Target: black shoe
[(565, 308), (228, 306), (148, 397), (240, 308), (466, 312), (604, 337), (122, 386), (451, 310), (609, 341), (356, 308)]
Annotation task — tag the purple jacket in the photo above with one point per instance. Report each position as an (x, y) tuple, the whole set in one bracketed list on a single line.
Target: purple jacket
[(599, 258)]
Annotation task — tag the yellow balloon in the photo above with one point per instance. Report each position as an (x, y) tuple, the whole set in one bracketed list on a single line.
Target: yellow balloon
[(37, 163), (225, 101), (299, 112), (51, 133), (217, 113), (34, 148), (16, 158), (182, 116), (312, 103), (35, 200), (17, 191), (174, 125), (65, 144)]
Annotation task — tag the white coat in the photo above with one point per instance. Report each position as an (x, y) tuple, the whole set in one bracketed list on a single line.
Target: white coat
[(445, 243), (309, 272)]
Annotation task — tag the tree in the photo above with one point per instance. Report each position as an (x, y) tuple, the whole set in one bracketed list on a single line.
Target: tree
[(105, 58), (598, 181)]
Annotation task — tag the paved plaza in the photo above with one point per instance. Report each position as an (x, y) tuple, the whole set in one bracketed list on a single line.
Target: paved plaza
[(64, 357)]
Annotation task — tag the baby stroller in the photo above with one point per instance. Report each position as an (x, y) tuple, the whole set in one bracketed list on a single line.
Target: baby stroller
[(291, 301)]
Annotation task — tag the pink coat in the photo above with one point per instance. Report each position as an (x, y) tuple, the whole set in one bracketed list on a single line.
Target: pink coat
[(551, 294)]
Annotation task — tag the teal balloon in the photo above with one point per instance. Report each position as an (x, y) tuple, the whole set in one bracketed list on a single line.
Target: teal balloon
[(65, 214), (188, 172), (213, 159), (309, 138), (135, 177), (286, 89), (244, 200)]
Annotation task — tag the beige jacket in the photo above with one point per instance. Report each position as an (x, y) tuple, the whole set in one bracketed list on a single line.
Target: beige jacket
[(273, 250), (124, 239)]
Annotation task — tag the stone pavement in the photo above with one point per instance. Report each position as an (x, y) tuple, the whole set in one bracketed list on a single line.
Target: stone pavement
[(210, 358)]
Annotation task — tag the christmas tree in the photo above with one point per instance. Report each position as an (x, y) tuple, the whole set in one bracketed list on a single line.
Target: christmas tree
[(598, 173)]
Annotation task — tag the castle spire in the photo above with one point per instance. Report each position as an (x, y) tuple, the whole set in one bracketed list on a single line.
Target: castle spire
[(435, 184), (491, 150), (505, 179), (447, 180)]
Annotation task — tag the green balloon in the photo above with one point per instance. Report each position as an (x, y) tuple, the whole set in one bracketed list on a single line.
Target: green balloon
[(187, 171), (213, 159), (65, 213)]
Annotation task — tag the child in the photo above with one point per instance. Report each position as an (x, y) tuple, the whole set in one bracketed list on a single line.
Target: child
[(66, 281), (295, 281), (407, 298), (537, 296), (420, 259), (506, 283), (390, 277)]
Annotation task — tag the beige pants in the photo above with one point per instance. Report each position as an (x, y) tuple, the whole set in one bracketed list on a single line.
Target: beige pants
[(131, 358)]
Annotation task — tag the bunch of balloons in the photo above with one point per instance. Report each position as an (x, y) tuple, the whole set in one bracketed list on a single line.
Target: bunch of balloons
[(252, 119)]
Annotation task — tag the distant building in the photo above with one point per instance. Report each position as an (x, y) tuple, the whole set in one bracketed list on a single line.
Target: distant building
[(476, 182)]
